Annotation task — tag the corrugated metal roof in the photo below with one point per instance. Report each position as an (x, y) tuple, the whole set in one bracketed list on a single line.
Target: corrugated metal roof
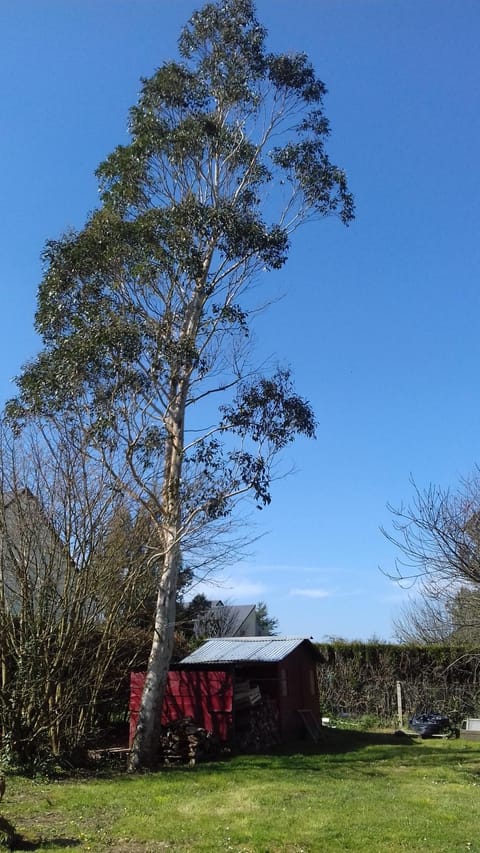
[(240, 649)]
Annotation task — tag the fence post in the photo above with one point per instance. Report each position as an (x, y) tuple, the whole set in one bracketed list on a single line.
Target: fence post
[(399, 704)]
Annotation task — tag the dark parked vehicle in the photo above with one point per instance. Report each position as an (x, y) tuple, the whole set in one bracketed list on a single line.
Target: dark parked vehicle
[(428, 725)]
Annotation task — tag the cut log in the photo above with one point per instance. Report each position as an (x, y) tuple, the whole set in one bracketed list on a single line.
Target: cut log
[(183, 742)]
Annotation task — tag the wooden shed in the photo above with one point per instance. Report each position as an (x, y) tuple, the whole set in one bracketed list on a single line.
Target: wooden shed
[(253, 691)]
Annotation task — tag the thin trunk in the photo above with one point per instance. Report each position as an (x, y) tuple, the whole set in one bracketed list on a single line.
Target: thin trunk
[(145, 746), (146, 742)]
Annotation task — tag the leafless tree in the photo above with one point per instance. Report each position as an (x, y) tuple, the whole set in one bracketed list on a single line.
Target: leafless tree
[(68, 605), (79, 568), (438, 536), (217, 620)]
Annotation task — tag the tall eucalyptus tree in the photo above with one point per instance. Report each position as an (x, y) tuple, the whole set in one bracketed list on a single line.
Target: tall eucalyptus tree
[(143, 313)]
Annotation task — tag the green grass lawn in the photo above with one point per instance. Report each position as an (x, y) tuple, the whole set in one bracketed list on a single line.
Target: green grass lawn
[(356, 792)]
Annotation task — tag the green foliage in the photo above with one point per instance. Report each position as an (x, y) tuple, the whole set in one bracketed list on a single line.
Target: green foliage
[(463, 608), (189, 612), (358, 679), (164, 213), (182, 225), (266, 625)]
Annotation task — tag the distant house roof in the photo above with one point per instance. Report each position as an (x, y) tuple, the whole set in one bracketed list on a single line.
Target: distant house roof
[(245, 649), (238, 614), (10, 497), (227, 620)]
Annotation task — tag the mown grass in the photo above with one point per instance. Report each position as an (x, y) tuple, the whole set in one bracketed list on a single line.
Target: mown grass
[(354, 793)]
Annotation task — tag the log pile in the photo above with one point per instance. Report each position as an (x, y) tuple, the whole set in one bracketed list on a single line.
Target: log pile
[(183, 742), (257, 727)]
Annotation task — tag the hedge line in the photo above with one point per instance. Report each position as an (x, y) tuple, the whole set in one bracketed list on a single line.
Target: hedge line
[(360, 679)]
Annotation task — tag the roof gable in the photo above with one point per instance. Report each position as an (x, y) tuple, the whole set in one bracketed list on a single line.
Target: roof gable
[(227, 620)]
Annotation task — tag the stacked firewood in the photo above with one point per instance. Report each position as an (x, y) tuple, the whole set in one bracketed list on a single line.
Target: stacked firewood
[(183, 742), (257, 727)]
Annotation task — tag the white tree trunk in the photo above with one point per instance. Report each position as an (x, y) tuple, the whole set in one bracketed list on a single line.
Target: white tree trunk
[(145, 746)]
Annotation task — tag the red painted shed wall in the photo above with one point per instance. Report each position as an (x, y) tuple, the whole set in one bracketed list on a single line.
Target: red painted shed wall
[(301, 691), (207, 696)]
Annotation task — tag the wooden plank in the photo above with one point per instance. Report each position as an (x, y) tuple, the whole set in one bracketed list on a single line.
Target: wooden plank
[(312, 725)]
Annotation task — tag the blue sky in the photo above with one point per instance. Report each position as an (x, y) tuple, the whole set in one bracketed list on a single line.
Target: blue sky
[(379, 321)]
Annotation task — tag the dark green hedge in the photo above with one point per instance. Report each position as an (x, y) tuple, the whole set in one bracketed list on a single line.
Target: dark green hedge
[(360, 678)]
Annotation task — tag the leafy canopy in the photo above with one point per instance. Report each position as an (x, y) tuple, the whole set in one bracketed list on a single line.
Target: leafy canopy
[(141, 311)]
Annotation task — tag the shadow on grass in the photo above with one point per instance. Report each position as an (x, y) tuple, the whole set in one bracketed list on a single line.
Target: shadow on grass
[(350, 740), (343, 749), (61, 843), (340, 748)]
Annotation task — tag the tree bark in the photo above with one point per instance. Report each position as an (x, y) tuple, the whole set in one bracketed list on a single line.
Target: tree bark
[(144, 752)]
